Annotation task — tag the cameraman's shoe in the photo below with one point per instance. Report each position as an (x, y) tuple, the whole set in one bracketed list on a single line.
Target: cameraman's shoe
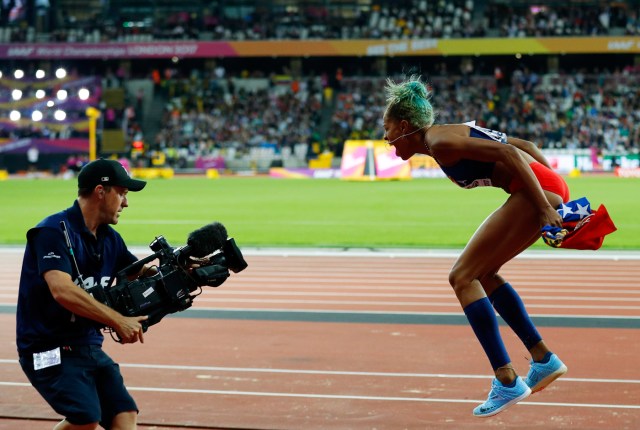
[(542, 374), (501, 397)]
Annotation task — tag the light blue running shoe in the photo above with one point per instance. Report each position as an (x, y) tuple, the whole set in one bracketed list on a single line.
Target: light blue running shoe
[(501, 397), (542, 374)]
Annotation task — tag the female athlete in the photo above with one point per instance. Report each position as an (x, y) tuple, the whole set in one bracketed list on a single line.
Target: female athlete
[(472, 157)]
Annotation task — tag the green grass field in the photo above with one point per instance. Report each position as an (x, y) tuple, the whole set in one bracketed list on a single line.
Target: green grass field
[(421, 213)]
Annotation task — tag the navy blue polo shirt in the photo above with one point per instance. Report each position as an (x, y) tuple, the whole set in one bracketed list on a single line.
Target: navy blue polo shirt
[(41, 322)]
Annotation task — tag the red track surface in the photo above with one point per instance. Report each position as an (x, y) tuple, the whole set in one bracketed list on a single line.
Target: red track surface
[(275, 374)]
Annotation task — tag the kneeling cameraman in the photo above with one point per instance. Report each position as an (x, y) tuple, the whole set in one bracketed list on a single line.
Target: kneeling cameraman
[(58, 324)]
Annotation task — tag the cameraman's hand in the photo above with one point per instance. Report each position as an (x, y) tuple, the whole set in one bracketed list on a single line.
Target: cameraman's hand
[(194, 262), (130, 330), (145, 271)]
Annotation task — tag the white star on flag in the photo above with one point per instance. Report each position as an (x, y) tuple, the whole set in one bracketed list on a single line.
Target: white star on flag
[(582, 211), (565, 210)]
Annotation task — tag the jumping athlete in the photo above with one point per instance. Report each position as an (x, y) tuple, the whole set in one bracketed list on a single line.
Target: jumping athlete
[(472, 157)]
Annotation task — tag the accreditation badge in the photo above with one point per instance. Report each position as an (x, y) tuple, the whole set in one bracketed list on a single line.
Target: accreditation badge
[(42, 360)]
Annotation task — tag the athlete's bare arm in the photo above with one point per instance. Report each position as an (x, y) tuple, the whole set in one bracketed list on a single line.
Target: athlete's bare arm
[(530, 148)]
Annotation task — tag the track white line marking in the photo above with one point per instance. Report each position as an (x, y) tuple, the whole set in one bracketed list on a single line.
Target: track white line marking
[(379, 312), (347, 397), (339, 372)]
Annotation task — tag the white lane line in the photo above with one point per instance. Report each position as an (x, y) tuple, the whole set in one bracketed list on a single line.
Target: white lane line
[(362, 280), (386, 312), (339, 372), (346, 397), (350, 373)]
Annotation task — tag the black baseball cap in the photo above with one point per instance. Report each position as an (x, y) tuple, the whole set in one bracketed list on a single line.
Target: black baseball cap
[(107, 172)]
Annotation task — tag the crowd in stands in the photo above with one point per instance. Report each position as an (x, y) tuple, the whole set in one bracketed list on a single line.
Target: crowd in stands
[(231, 117), (207, 116), (587, 109), (562, 20), (598, 109), (563, 111), (384, 19)]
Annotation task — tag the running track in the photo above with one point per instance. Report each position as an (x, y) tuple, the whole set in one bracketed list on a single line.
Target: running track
[(364, 340)]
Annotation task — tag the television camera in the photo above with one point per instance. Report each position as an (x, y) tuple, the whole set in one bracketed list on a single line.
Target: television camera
[(181, 273)]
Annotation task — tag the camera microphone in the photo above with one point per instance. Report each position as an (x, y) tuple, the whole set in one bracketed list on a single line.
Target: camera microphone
[(206, 239)]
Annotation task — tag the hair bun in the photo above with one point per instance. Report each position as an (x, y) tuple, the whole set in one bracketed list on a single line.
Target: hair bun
[(409, 100), (418, 88)]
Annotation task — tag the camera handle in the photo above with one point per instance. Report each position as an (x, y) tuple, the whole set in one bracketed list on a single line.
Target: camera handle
[(133, 267)]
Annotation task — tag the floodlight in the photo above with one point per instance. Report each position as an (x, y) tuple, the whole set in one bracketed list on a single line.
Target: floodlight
[(60, 115), (36, 115), (83, 94)]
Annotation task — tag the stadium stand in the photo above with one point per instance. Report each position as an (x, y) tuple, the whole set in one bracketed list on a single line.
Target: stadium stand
[(245, 120), (121, 20), (253, 113)]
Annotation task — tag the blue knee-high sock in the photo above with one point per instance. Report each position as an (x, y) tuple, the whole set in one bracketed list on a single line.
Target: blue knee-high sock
[(484, 323), (511, 308)]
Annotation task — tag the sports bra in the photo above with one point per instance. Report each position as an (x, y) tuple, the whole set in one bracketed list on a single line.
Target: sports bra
[(468, 173)]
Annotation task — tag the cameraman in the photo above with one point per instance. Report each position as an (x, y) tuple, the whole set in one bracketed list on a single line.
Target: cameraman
[(58, 323)]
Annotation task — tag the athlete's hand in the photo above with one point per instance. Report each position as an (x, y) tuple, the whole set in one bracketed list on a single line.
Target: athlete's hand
[(130, 330), (550, 216)]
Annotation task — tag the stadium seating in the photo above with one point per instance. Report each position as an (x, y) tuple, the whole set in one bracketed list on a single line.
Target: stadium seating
[(198, 20), (251, 115)]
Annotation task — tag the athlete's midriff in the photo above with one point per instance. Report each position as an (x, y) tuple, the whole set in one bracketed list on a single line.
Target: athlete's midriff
[(548, 179)]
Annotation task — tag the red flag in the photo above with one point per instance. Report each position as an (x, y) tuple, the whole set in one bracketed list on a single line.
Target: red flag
[(589, 233)]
